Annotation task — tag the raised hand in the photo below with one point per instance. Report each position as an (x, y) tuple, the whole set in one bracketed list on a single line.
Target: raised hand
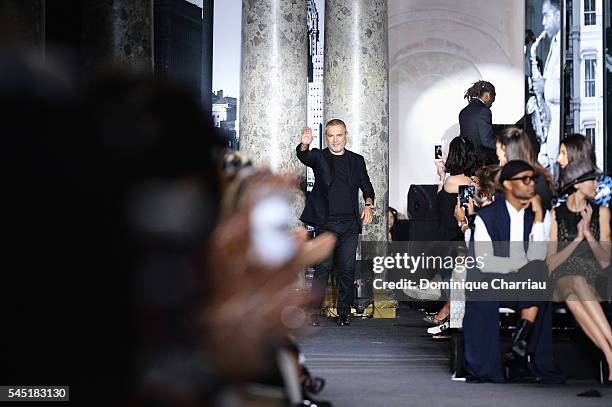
[(580, 230), (307, 136), (250, 304), (459, 212), (536, 207), (440, 169), (586, 214)]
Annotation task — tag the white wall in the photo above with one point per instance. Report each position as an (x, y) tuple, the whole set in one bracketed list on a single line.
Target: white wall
[(437, 49)]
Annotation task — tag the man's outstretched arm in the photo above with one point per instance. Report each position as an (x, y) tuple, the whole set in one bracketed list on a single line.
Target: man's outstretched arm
[(304, 154)]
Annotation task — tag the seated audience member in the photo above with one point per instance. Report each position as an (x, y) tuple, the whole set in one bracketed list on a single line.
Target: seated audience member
[(247, 186), (513, 144), (398, 227), (577, 147), (574, 265), (459, 164), (486, 187), (516, 217), (485, 192)]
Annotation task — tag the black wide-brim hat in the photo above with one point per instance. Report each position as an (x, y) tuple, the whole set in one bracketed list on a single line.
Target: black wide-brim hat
[(576, 172)]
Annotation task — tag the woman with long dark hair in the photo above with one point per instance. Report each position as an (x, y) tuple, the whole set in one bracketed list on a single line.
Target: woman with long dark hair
[(513, 144), (459, 164), (577, 147), (579, 251)]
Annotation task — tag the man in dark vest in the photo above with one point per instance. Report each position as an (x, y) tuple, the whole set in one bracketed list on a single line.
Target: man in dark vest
[(333, 206), (510, 236)]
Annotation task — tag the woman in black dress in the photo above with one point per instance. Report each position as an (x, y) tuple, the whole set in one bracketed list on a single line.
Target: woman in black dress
[(459, 165), (579, 251)]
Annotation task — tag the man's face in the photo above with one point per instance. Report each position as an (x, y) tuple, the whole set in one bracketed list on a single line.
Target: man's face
[(551, 19), (336, 138), (518, 188)]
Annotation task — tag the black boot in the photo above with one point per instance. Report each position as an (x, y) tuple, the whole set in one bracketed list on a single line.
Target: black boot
[(520, 340), (344, 320)]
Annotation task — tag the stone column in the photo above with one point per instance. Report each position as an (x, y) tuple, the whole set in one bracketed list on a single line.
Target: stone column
[(274, 82), (118, 32), (22, 22), (356, 90)]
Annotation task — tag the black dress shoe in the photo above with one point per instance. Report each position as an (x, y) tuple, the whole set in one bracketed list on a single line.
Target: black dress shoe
[(314, 320), (344, 320), (518, 371), (521, 337)]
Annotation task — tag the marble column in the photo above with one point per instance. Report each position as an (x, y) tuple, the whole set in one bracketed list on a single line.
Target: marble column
[(118, 32), (22, 22), (274, 82), (356, 90)]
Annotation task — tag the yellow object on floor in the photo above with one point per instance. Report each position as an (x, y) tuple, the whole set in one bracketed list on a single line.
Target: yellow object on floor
[(383, 307)]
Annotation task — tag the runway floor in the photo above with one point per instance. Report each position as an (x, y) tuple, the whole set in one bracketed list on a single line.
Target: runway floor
[(393, 362)]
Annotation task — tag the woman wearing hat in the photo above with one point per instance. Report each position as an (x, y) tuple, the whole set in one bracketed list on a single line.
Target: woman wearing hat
[(575, 265), (577, 147)]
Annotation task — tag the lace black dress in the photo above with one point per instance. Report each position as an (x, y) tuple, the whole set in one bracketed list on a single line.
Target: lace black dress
[(581, 262)]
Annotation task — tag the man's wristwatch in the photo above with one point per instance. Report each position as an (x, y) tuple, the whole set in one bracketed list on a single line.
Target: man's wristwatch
[(371, 206)]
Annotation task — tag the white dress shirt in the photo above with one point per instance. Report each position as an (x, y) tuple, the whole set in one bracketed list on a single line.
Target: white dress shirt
[(483, 246)]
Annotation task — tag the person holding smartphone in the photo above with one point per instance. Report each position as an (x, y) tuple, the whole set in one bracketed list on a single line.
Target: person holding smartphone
[(333, 207), (459, 164)]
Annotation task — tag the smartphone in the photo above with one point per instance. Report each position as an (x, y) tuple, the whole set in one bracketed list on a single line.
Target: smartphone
[(465, 192), (271, 236), (438, 152)]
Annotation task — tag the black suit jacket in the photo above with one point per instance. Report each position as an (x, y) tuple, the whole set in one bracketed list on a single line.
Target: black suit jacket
[(316, 210), (476, 124)]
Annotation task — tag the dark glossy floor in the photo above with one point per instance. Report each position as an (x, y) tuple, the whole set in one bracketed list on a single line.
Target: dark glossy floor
[(393, 362)]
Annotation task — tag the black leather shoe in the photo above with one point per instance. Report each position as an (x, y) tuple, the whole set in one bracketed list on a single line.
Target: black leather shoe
[(344, 320), (520, 340), (314, 320), (519, 372)]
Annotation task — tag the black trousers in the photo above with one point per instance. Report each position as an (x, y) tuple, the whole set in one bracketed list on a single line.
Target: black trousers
[(482, 357), (346, 230)]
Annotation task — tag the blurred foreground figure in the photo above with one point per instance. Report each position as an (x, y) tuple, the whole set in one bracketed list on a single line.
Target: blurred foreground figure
[(112, 198)]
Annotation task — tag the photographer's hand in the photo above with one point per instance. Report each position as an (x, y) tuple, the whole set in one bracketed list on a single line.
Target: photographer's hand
[(471, 206), (459, 212)]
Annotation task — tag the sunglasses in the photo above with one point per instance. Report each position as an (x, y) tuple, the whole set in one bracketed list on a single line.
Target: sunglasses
[(527, 179)]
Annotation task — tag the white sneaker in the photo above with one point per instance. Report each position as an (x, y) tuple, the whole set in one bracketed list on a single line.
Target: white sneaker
[(428, 294), (438, 329)]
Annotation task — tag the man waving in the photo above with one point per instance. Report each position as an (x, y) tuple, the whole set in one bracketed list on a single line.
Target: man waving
[(333, 206)]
